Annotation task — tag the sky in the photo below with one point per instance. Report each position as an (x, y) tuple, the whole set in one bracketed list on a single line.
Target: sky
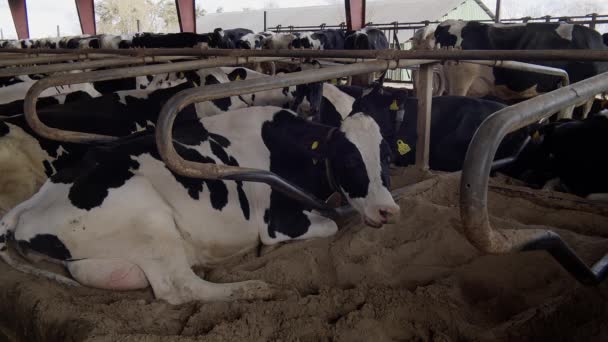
[(45, 15)]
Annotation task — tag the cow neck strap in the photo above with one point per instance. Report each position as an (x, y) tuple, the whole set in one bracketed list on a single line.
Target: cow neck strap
[(333, 185)]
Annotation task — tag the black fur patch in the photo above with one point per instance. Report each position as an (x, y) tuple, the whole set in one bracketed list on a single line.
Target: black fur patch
[(239, 73), (223, 104), (47, 244), (4, 129)]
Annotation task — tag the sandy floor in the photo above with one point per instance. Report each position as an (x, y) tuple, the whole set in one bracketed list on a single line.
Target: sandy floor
[(419, 280)]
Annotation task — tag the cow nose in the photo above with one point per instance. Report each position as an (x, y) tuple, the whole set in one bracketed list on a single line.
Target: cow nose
[(389, 214)]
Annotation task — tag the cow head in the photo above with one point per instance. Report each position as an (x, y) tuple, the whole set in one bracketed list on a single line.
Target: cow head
[(360, 163)]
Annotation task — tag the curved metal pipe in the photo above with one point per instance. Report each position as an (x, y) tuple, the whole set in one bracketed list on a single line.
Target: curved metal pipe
[(475, 178), (169, 112), (29, 103)]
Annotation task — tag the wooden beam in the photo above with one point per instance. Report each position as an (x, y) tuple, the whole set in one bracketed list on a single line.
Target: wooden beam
[(355, 14), (86, 15), (19, 13), (424, 93), (186, 15)]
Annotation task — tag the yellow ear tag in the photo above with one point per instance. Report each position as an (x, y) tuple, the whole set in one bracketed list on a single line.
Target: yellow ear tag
[(402, 147), (394, 105), (238, 78), (315, 145), (536, 136), (334, 81)]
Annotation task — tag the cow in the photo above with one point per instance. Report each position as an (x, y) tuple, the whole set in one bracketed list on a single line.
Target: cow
[(424, 38), (26, 159), (227, 39), (121, 220), (169, 40), (561, 157), (367, 38), (252, 41), (605, 38), (320, 40), (479, 80), (279, 41)]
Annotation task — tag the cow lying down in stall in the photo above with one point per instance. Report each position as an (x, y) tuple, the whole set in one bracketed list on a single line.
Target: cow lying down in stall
[(26, 159), (122, 220)]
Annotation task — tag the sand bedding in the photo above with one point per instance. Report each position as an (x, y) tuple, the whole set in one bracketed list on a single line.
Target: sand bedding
[(419, 280)]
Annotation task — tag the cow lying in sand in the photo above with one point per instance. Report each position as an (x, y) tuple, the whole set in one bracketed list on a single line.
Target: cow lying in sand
[(122, 220)]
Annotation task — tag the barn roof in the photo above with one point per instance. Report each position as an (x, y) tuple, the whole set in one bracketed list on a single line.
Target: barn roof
[(383, 11)]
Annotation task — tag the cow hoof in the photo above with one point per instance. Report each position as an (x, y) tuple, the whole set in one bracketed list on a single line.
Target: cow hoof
[(254, 289)]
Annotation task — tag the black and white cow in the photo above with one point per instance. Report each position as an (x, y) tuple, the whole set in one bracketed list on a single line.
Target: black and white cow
[(227, 39), (605, 38), (320, 40), (252, 41), (563, 152), (279, 41), (477, 80), (169, 40), (367, 38), (122, 220)]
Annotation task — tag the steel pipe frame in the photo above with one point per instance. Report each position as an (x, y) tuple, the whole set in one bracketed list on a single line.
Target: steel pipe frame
[(441, 55), (475, 178), (169, 112), (104, 62), (52, 59), (29, 103), (540, 69)]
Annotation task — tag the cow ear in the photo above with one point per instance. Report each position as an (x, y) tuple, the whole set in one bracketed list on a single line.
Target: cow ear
[(237, 74)]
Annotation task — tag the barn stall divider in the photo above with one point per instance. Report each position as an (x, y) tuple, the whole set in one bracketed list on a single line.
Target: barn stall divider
[(478, 162)]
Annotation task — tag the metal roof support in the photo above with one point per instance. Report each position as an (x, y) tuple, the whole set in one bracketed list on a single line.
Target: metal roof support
[(476, 174), (19, 13), (29, 103), (355, 14), (186, 15), (86, 16)]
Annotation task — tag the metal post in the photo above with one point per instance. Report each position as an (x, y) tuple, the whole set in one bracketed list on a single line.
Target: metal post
[(58, 33), (264, 21), (476, 174), (497, 13), (86, 16), (1, 34), (138, 28), (593, 21), (425, 101), (355, 14), (19, 13)]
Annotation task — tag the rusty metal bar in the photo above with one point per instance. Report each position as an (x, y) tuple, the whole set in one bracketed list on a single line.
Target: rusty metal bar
[(169, 112), (51, 59), (566, 113), (442, 55), (476, 173), (29, 103), (424, 93), (105, 62)]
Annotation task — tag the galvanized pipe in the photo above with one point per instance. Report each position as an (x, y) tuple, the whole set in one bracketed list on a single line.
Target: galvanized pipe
[(169, 112), (107, 62), (29, 103), (566, 113), (443, 54), (475, 178), (50, 59)]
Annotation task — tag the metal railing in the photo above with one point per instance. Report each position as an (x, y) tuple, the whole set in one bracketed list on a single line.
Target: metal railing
[(476, 174)]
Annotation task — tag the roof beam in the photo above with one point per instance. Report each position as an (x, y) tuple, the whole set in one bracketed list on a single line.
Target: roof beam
[(355, 14), (19, 13), (186, 15), (86, 15)]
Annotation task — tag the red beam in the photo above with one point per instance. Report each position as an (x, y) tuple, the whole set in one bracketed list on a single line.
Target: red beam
[(185, 15), (355, 14), (86, 15), (19, 12)]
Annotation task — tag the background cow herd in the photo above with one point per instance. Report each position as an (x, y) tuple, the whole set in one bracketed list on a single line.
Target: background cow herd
[(71, 186)]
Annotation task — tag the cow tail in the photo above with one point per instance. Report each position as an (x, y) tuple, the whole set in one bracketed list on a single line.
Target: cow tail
[(7, 228)]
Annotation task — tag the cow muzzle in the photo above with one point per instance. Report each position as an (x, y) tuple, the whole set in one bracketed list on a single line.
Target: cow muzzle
[(383, 215)]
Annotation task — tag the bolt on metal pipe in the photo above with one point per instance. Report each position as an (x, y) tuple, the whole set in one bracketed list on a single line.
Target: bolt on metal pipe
[(476, 174), (29, 103)]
